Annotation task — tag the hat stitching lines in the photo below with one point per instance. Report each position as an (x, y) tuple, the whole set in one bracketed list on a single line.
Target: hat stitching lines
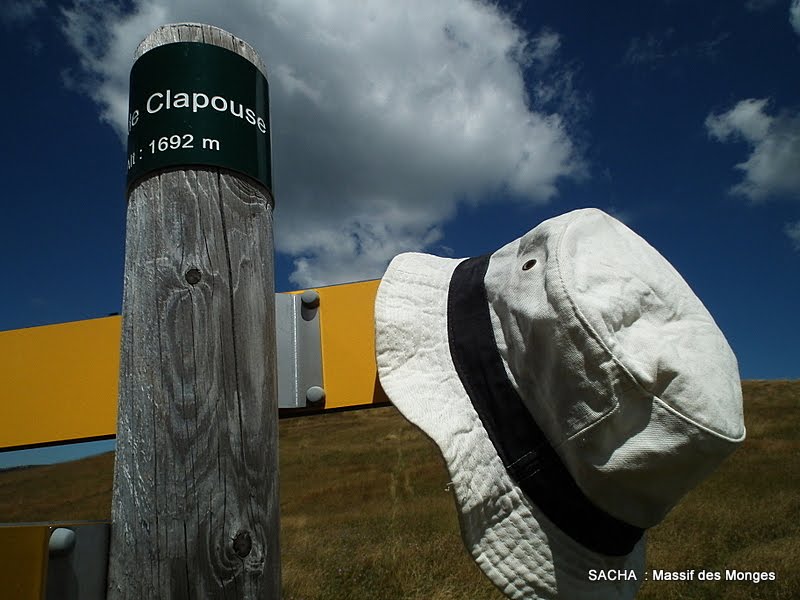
[(624, 370), (700, 426), (590, 330)]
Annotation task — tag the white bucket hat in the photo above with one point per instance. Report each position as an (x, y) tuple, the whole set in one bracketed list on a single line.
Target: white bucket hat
[(577, 389)]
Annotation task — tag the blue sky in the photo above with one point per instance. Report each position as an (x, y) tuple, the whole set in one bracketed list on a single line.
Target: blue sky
[(451, 129)]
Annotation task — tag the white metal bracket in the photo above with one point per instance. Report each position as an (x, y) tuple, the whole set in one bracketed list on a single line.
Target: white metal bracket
[(299, 350)]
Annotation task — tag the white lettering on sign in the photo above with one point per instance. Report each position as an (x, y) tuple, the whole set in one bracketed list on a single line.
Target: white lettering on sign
[(133, 119), (197, 101)]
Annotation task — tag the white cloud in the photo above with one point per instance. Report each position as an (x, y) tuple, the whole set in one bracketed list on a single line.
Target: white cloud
[(18, 12), (545, 46), (651, 48), (385, 114), (794, 10), (747, 119), (792, 230), (105, 40), (656, 48), (771, 169), (759, 5)]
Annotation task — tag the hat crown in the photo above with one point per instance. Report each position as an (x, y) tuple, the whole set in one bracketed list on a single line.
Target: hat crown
[(617, 360)]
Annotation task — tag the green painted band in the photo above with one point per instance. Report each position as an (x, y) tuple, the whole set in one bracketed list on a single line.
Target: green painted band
[(194, 104)]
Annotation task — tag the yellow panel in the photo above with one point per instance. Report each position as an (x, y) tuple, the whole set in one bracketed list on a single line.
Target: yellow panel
[(23, 561), (348, 345), (59, 382)]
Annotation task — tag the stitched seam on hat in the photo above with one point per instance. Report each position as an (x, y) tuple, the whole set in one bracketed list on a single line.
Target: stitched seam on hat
[(590, 330), (700, 426), (598, 339), (582, 318), (632, 381), (532, 467), (624, 386)]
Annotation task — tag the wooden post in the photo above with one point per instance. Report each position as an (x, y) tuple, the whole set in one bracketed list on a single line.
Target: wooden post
[(195, 505)]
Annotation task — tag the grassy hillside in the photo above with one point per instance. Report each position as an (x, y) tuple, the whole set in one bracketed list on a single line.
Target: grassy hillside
[(76, 490), (366, 512)]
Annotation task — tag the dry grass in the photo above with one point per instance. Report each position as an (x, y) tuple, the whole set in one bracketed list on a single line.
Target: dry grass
[(74, 491), (366, 514), (747, 515)]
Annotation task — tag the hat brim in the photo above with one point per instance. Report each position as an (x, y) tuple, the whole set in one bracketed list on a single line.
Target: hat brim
[(512, 541)]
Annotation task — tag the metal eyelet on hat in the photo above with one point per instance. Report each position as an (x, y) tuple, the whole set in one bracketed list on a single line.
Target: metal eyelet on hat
[(529, 264)]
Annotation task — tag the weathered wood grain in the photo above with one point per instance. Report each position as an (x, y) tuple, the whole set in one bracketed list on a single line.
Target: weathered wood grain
[(195, 507)]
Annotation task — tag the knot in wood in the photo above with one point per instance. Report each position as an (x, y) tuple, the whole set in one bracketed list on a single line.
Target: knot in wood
[(242, 544), (193, 276)]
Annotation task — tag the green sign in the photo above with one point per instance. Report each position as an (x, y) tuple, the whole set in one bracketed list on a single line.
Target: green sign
[(194, 104)]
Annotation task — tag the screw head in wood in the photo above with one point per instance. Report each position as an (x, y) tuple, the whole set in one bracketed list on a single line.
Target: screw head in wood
[(193, 276)]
